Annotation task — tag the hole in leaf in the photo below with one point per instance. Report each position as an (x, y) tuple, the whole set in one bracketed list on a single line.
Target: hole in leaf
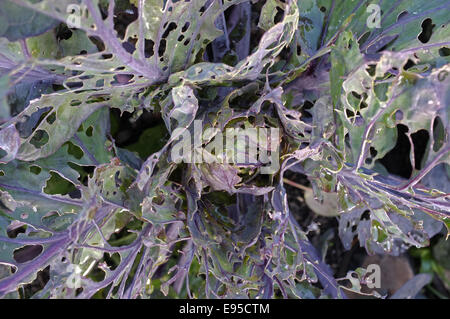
[(27, 253), (427, 30), (279, 15), (172, 26), (78, 291), (64, 33), (76, 193), (15, 228), (39, 139), (307, 106), (42, 277), (420, 140), (26, 126), (35, 169), (409, 64), (74, 150), (148, 47), (124, 15), (112, 260), (359, 120), (397, 161), (130, 48), (162, 47), (85, 172), (365, 215), (86, 77), (444, 51), (97, 274), (122, 79), (89, 131), (51, 118), (185, 27), (74, 85), (75, 102), (402, 15), (371, 69), (398, 115), (58, 185), (100, 83)]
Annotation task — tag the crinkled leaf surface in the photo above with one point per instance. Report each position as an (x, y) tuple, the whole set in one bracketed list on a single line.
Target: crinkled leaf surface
[(105, 215)]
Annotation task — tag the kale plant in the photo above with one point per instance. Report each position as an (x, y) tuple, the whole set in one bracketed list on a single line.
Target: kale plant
[(102, 219)]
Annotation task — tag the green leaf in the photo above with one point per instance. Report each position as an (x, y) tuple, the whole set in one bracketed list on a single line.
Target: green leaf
[(59, 125), (17, 22), (271, 44)]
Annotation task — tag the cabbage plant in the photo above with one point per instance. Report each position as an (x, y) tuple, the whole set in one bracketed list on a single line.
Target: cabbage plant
[(334, 79)]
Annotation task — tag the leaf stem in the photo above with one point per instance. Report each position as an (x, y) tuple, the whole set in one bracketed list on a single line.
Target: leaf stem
[(296, 185)]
